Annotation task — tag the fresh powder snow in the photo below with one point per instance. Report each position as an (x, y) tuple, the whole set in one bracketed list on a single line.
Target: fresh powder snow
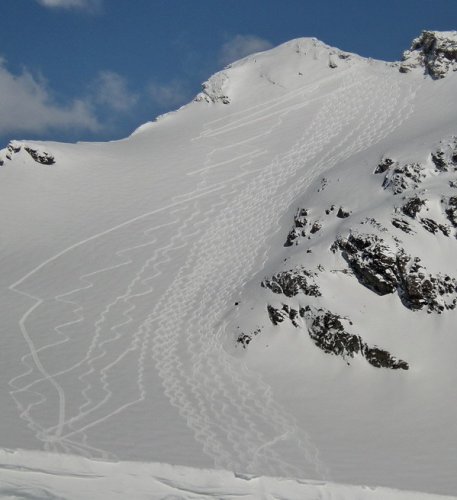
[(262, 282)]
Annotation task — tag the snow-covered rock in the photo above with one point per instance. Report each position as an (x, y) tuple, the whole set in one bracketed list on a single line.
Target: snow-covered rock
[(433, 51), (37, 153), (214, 89)]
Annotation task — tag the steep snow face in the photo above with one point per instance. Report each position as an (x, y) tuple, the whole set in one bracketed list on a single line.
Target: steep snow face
[(433, 51), (132, 276)]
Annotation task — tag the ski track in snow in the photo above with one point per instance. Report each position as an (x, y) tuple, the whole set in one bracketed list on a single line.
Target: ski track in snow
[(230, 409)]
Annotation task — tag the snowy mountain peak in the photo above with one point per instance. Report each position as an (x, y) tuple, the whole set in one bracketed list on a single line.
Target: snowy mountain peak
[(264, 281), (286, 67), (434, 51)]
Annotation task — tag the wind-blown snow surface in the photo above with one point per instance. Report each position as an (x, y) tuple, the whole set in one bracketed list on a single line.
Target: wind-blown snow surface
[(27, 475), (122, 262)]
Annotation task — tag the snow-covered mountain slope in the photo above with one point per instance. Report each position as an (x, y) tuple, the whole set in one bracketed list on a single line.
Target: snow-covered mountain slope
[(37, 475), (136, 325)]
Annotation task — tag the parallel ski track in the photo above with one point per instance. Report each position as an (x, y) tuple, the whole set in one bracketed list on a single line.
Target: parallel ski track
[(211, 287), (231, 411)]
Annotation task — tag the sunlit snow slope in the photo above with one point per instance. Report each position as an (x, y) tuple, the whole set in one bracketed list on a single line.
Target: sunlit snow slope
[(122, 263)]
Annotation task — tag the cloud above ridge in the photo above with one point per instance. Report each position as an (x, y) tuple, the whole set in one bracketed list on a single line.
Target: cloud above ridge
[(171, 94), (71, 4), (110, 90), (241, 46), (27, 105)]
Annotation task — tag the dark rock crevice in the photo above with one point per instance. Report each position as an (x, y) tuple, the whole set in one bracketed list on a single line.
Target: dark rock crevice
[(292, 282), (328, 332), (385, 270)]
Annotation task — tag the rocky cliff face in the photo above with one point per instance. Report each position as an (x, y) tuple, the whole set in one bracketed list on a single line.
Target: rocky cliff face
[(411, 204), (435, 52)]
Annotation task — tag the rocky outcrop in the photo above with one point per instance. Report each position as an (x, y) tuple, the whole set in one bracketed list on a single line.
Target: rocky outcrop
[(385, 270), (433, 51), (298, 229), (413, 206), (444, 158), (40, 156), (277, 315), (343, 213), (384, 165), (246, 338), (328, 332), (451, 209), (36, 153), (400, 178), (291, 283), (213, 90), (401, 223), (371, 260), (7, 153), (434, 227)]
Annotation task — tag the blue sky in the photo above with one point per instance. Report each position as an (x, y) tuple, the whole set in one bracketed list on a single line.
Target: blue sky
[(96, 69)]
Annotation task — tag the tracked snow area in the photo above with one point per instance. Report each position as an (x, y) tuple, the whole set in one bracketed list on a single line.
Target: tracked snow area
[(122, 262)]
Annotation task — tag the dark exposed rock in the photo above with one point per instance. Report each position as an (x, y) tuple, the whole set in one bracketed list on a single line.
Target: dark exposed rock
[(375, 223), (328, 333), (40, 157), (324, 182), (445, 157), (433, 227), (292, 282), (245, 338), (385, 271), (300, 217), (300, 222), (332, 63), (13, 147), (435, 52), (276, 316), (292, 237), (331, 209), (439, 161), (384, 165), (402, 224), (404, 177), (372, 262), (37, 154), (383, 359), (315, 227), (279, 315), (343, 213), (413, 206), (451, 209)]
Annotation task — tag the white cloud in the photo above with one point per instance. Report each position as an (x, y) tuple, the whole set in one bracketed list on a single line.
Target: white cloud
[(26, 105), (174, 93), (241, 46), (111, 90), (71, 4)]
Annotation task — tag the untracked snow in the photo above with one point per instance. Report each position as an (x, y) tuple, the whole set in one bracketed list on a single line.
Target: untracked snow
[(27, 475), (131, 268)]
